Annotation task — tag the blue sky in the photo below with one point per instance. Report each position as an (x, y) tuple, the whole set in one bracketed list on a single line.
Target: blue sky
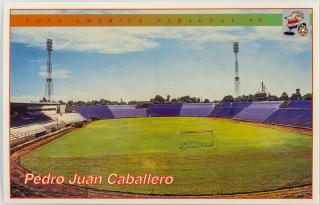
[(138, 63)]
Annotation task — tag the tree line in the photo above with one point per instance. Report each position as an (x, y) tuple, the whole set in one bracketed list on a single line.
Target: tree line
[(158, 99), (284, 96)]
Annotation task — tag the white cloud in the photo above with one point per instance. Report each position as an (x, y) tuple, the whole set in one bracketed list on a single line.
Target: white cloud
[(57, 73), (118, 40), (101, 40), (25, 98), (37, 61)]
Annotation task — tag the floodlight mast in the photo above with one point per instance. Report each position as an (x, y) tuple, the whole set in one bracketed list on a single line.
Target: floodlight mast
[(236, 71), (49, 83)]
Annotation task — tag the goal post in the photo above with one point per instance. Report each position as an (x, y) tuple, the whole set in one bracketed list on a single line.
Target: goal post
[(197, 139)]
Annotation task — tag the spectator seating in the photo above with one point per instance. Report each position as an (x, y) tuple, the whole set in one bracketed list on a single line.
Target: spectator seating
[(25, 119), (293, 113), (122, 111), (94, 111), (298, 113), (26, 131), (229, 109), (162, 110), (258, 111), (306, 104), (68, 118), (196, 109)]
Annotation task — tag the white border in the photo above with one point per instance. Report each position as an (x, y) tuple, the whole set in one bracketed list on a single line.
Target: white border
[(109, 5)]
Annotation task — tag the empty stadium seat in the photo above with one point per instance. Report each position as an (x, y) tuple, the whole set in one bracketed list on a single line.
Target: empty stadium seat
[(306, 104), (26, 131), (122, 111), (94, 111), (162, 110), (298, 113), (196, 109), (258, 111), (24, 119), (229, 109)]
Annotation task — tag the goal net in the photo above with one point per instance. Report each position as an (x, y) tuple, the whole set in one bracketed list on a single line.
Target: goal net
[(197, 139)]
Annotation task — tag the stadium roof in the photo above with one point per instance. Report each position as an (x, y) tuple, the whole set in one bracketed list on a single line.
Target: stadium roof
[(35, 103)]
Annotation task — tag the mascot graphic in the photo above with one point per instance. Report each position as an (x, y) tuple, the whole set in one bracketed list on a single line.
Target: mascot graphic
[(293, 23)]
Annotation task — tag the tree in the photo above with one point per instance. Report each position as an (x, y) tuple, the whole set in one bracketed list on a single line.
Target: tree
[(294, 96), (284, 96), (239, 98), (104, 101), (174, 100), (80, 103), (307, 96), (168, 98), (158, 100), (250, 98), (61, 102), (44, 100), (184, 99), (244, 98), (133, 102), (206, 100), (93, 102), (188, 99), (272, 98), (70, 102), (228, 98)]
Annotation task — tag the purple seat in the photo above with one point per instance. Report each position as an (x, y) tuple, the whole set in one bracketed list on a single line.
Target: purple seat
[(258, 111), (28, 119), (294, 117), (162, 110), (307, 104), (94, 111), (298, 113), (229, 109), (122, 111), (196, 109)]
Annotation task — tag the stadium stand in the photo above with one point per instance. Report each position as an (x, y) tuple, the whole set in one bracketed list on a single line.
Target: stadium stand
[(306, 104), (26, 131), (229, 109), (196, 109), (94, 111), (25, 119), (122, 111), (162, 110), (41, 125), (53, 125), (298, 113), (258, 111), (292, 113), (68, 118)]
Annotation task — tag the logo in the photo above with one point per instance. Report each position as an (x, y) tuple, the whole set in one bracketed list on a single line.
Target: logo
[(295, 23)]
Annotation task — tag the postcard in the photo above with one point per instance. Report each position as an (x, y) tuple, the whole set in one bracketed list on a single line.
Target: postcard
[(168, 103)]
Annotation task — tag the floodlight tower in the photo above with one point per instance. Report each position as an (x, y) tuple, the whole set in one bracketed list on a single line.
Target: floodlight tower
[(236, 70), (49, 83)]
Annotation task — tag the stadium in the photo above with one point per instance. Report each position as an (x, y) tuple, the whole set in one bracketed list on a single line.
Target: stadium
[(231, 148), (250, 146)]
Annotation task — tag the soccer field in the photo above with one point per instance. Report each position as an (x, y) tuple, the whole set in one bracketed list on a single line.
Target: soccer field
[(245, 157)]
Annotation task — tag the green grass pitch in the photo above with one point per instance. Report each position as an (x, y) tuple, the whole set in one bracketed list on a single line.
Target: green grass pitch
[(246, 158)]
